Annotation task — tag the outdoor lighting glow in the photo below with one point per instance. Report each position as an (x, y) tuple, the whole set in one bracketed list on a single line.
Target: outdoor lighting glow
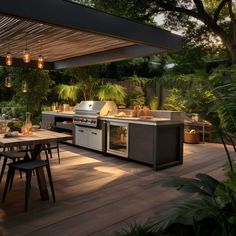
[(9, 59), (24, 86), (26, 53), (40, 62), (26, 56), (8, 82)]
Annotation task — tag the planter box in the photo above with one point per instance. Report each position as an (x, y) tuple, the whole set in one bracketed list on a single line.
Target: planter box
[(191, 137)]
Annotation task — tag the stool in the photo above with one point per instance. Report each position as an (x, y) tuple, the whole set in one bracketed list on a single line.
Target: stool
[(27, 166)]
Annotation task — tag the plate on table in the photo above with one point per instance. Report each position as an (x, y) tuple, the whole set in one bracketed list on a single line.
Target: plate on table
[(11, 134)]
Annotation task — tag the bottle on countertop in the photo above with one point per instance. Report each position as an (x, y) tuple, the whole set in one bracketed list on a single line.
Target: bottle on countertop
[(146, 111), (134, 112), (140, 111), (54, 106)]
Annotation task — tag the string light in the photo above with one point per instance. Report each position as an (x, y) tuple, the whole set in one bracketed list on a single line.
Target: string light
[(8, 82), (8, 57), (26, 53), (40, 62), (24, 86)]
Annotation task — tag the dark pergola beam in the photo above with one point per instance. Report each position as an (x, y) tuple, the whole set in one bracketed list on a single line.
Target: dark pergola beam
[(107, 56), (70, 15)]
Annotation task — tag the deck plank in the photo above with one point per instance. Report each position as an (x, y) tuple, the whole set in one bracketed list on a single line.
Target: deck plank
[(97, 195)]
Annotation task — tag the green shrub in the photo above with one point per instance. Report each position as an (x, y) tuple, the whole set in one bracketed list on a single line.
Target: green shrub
[(153, 103), (114, 92), (135, 97)]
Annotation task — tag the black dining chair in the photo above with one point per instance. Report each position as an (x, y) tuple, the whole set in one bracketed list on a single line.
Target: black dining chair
[(27, 166), (13, 156), (48, 147)]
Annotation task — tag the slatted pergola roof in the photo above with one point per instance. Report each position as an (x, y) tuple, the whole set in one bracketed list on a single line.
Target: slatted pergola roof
[(74, 35)]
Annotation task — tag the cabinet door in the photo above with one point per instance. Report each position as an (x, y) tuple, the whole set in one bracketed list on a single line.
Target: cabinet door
[(81, 137), (95, 139), (141, 143)]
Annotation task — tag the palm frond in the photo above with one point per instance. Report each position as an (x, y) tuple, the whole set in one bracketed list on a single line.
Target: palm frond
[(187, 185), (184, 211)]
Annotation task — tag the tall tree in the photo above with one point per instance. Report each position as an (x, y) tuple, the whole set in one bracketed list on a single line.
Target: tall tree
[(211, 16)]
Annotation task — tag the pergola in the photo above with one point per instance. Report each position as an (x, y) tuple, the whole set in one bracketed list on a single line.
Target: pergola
[(73, 35)]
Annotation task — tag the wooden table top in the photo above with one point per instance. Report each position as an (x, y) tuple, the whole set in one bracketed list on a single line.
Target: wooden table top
[(37, 137)]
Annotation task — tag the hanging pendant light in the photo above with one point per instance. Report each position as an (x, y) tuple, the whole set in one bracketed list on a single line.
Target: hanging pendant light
[(23, 86), (40, 62), (8, 58), (8, 82), (26, 53)]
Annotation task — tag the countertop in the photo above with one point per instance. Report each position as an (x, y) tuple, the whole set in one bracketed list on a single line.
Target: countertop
[(64, 113), (140, 120), (127, 119)]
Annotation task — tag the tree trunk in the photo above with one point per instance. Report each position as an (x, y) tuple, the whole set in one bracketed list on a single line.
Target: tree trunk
[(232, 50)]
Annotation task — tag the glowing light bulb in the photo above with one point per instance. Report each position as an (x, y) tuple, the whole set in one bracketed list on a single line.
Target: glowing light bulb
[(9, 59), (24, 86), (40, 62), (26, 56)]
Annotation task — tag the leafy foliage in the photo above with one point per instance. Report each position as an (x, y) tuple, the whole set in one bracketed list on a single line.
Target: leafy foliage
[(134, 229), (38, 82), (135, 97), (175, 101), (191, 92), (223, 83), (153, 103), (139, 81), (212, 201), (68, 92), (206, 24), (115, 92)]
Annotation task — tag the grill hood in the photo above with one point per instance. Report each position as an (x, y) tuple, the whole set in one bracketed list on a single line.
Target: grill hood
[(96, 108)]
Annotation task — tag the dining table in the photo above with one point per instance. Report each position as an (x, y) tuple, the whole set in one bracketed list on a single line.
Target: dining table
[(35, 141)]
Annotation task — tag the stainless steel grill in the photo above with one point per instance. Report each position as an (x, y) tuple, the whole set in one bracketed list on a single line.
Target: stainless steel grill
[(88, 112)]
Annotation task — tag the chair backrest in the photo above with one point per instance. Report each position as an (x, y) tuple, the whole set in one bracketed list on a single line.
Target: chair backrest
[(49, 126)]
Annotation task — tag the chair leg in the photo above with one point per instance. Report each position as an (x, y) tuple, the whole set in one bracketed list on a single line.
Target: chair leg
[(50, 152), (12, 178), (27, 188), (51, 182), (3, 168), (58, 154), (9, 176), (18, 159)]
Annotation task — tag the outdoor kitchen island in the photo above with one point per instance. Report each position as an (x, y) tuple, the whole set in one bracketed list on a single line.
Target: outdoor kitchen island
[(155, 141)]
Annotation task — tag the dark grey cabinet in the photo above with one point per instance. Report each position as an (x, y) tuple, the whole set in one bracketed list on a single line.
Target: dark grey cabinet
[(168, 146), (141, 143), (160, 145)]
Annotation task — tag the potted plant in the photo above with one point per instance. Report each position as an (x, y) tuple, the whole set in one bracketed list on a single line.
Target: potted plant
[(15, 125), (191, 136)]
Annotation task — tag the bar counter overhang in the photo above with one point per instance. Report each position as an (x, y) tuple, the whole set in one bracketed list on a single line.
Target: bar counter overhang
[(75, 35)]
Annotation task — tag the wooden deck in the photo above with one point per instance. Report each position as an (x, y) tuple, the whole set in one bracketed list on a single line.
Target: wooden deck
[(98, 195)]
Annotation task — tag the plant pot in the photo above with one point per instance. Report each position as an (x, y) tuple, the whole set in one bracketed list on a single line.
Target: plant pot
[(191, 138)]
